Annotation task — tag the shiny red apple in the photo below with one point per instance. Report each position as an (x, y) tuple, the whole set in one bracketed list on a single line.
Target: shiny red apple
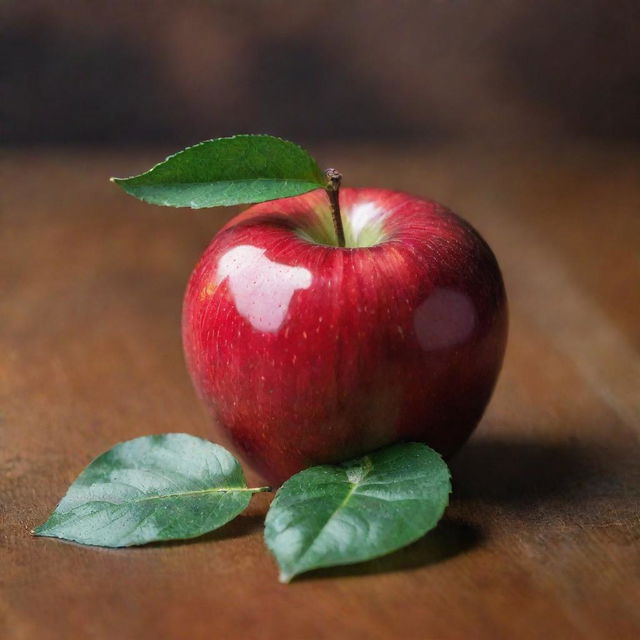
[(310, 353)]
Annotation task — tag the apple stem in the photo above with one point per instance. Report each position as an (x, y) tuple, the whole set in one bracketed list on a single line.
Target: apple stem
[(334, 178)]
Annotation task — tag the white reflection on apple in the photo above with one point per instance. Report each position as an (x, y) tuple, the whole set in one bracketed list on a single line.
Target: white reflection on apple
[(261, 288), (445, 319), (365, 217)]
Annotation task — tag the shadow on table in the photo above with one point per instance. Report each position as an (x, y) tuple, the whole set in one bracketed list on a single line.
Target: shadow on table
[(520, 473)]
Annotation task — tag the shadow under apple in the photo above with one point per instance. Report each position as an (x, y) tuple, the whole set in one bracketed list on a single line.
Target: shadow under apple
[(521, 473)]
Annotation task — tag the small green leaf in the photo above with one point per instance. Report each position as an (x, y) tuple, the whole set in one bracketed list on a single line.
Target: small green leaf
[(226, 171), (332, 515), (162, 487)]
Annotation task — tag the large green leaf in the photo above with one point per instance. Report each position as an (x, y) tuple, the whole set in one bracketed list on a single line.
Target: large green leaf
[(226, 171), (161, 487), (333, 515)]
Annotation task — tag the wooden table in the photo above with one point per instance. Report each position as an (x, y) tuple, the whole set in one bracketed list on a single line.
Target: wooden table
[(542, 537)]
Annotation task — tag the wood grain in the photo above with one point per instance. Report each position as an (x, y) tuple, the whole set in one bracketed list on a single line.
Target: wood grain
[(542, 536)]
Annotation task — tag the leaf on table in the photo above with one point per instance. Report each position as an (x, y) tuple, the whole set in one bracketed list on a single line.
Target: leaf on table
[(161, 487), (226, 171), (333, 515)]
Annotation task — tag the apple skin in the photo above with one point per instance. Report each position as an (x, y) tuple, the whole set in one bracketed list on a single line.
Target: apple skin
[(310, 354)]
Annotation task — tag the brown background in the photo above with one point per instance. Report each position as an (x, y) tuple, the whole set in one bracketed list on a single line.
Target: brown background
[(523, 116), (419, 71)]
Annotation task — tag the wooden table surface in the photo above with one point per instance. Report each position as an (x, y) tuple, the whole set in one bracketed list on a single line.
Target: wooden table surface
[(542, 537)]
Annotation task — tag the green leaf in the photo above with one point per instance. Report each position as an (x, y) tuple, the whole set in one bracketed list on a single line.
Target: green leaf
[(226, 171), (162, 487), (332, 515)]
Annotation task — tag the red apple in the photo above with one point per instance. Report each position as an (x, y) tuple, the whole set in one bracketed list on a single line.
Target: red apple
[(310, 353)]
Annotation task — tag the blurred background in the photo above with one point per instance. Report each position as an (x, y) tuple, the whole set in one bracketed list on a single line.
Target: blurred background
[(427, 72)]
